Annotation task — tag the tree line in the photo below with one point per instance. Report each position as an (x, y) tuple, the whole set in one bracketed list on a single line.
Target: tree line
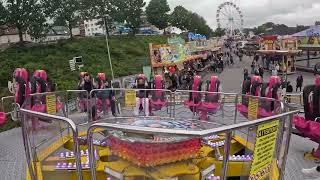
[(34, 16)]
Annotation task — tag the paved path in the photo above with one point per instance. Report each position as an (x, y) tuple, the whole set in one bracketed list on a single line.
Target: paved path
[(12, 157)]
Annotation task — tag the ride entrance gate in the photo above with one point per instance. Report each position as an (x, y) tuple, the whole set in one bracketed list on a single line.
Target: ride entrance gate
[(182, 135)]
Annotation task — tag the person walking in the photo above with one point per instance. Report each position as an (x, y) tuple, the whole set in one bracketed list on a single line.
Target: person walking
[(261, 71), (231, 59), (240, 56), (299, 83), (245, 74), (253, 65), (277, 68), (289, 90)]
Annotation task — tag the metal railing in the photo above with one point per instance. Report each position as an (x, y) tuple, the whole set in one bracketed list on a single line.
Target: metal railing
[(225, 129), (26, 117), (174, 109)]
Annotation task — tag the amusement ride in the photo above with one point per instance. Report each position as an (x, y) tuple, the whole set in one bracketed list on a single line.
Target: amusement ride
[(135, 128), (230, 18)]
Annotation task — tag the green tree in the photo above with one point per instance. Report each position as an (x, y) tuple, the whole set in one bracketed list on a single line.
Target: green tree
[(157, 13), (106, 10), (199, 25), (26, 16), (3, 14), (67, 10), (219, 32), (131, 13), (180, 18), (187, 20)]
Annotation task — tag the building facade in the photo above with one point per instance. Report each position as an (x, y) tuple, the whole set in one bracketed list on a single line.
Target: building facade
[(92, 27)]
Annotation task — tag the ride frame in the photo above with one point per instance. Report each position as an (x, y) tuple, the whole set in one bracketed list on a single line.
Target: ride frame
[(229, 131)]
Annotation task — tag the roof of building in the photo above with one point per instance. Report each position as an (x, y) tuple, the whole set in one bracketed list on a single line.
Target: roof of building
[(57, 30)]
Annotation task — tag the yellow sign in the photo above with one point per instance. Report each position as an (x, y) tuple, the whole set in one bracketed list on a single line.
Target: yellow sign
[(51, 104), (130, 98), (253, 108), (264, 150)]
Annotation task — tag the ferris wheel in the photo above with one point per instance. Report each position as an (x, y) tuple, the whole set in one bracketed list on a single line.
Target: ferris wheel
[(230, 18)]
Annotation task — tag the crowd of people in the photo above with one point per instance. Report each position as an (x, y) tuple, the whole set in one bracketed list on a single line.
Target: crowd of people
[(258, 70), (214, 63)]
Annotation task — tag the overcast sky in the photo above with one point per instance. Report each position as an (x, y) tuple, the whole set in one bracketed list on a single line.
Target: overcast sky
[(257, 12)]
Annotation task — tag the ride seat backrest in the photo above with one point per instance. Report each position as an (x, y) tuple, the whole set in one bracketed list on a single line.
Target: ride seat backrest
[(245, 90), (21, 92), (255, 89), (316, 101), (39, 85), (308, 102), (40, 79), (158, 84), (212, 86), (22, 73), (196, 87), (264, 89)]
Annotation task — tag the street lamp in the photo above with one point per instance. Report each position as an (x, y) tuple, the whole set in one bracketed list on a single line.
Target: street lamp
[(108, 49)]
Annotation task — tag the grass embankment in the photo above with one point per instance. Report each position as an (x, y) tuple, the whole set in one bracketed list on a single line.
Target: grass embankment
[(128, 55)]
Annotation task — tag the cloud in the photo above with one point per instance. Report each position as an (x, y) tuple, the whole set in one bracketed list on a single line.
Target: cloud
[(257, 12)]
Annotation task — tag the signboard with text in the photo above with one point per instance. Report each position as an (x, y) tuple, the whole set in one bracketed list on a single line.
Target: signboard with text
[(51, 104), (130, 98), (253, 108), (263, 155)]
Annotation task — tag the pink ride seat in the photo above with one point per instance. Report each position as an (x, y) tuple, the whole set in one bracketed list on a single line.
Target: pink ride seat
[(242, 108), (39, 108), (309, 128), (191, 104), (210, 106), (263, 113), (59, 106), (157, 103), (3, 118)]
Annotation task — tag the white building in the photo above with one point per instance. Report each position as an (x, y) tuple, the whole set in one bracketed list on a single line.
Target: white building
[(92, 27), (11, 35)]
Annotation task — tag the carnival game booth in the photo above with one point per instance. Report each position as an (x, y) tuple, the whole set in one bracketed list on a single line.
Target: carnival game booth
[(279, 50), (177, 52), (171, 143), (285, 59)]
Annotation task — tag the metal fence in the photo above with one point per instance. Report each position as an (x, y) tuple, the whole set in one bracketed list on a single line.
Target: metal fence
[(47, 119)]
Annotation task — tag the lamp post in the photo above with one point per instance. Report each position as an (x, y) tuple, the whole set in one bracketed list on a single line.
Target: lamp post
[(108, 48)]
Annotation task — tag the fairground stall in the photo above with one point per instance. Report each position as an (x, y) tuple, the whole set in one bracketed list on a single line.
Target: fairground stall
[(279, 51), (156, 134), (309, 42), (176, 53)]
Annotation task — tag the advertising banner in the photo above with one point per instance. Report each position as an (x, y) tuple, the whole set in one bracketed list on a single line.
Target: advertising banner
[(253, 108), (262, 163), (309, 42), (51, 104), (130, 98)]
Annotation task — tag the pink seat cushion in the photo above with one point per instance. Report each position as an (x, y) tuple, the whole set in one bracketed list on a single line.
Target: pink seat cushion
[(301, 124), (59, 106), (157, 103), (314, 131), (242, 108), (39, 108), (191, 104), (2, 118), (263, 113), (210, 106)]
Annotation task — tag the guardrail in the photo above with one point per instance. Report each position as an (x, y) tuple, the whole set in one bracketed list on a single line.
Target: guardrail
[(228, 130), (175, 108)]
